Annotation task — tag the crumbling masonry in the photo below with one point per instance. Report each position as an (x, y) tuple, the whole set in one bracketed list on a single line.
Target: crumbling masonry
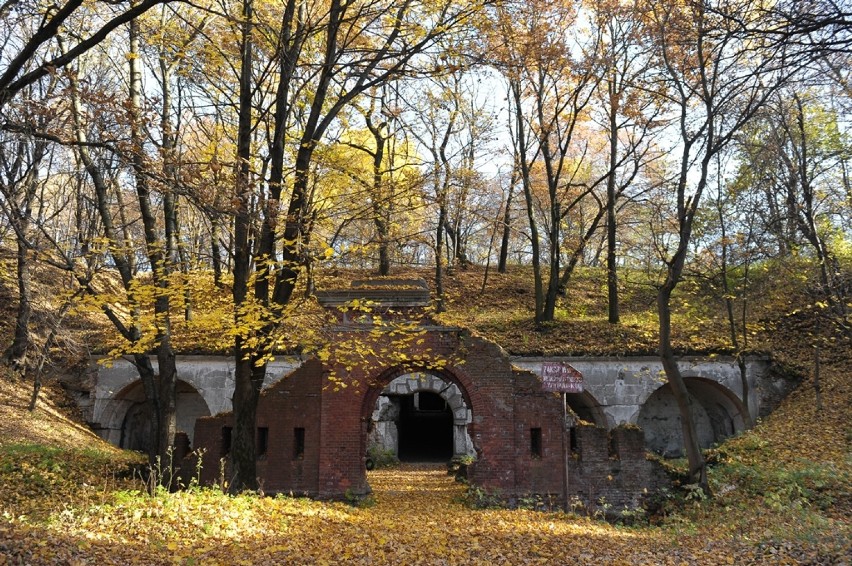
[(315, 425)]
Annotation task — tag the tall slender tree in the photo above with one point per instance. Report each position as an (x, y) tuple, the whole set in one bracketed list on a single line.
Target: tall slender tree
[(553, 74), (716, 83), (629, 111)]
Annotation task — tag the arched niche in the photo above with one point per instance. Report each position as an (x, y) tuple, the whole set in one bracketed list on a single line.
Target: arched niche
[(128, 414), (717, 413)]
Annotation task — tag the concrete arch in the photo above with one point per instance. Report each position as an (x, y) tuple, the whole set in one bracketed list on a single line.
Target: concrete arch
[(381, 413), (717, 411), (125, 419), (449, 374), (587, 408)]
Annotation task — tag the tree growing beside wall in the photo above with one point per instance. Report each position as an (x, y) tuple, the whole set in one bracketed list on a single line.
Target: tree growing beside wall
[(324, 58), (716, 86)]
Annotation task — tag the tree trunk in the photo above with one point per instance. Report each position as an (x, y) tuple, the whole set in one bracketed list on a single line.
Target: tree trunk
[(20, 215), (548, 312), (745, 391), (16, 354), (384, 248), (697, 466), (439, 260), (614, 316), (158, 256), (526, 183), (507, 230), (729, 309), (244, 471), (379, 220), (741, 363), (124, 265), (149, 385), (243, 450), (458, 251), (215, 252), (442, 190), (167, 394)]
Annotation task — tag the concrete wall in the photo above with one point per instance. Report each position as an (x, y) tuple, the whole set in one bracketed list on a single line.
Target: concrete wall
[(634, 391), (620, 386), (115, 390), (616, 391)]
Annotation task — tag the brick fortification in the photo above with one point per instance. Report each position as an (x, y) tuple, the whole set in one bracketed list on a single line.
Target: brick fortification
[(313, 425)]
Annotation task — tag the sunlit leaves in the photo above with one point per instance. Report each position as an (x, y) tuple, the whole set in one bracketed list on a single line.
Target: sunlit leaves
[(414, 516), (375, 338)]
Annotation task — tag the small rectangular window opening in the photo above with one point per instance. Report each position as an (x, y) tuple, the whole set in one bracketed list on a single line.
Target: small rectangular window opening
[(572, 435), (298, 443), (535, 442), (262, 441), (226, 440)]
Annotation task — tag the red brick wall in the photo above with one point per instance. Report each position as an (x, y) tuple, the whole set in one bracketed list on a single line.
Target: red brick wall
[(506, 405), (208, 437), (293, 403), (544, 411)]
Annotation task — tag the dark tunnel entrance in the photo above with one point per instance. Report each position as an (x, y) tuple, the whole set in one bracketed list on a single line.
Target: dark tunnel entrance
[(425, 428)]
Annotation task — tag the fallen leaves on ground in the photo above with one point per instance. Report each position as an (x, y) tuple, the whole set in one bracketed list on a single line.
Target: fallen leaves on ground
[(782, 497), (416, 517), (47, 424)]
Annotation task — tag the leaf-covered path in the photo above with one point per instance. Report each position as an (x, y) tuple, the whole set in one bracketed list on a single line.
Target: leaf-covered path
[(419, 506), (415, 518)]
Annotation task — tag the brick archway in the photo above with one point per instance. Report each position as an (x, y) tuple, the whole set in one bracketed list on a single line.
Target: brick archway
[(451, 383), (315, 437), (384, 419)]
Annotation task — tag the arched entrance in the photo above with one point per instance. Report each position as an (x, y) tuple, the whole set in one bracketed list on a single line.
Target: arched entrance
[(131, 414), (420, 417), (717, 413), (587, 408)]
